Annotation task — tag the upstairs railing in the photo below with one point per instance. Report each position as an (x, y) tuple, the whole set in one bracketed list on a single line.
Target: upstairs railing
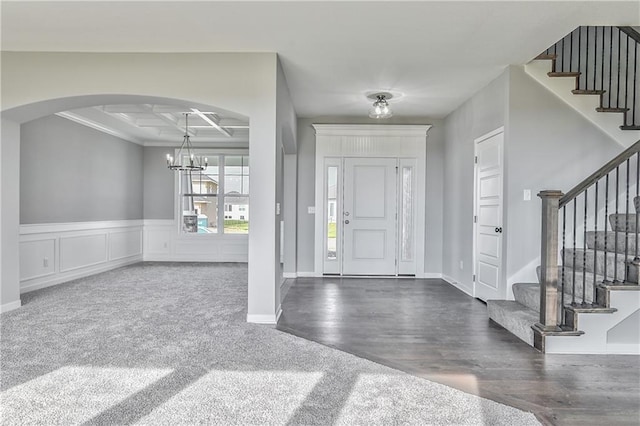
[(605, 61), (593, 227)]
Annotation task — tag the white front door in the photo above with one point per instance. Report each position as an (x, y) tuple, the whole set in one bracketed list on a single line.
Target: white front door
[(369, 216), (488, 230)]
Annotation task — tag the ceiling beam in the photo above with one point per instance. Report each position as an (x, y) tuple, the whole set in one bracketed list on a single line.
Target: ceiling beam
[(212, 122)]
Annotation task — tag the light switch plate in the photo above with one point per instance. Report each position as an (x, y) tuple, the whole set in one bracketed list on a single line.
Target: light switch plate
[(527, 195), (311, 209), (277, 208)]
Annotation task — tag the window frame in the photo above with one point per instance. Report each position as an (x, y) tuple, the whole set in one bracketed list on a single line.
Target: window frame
[(220, 197)]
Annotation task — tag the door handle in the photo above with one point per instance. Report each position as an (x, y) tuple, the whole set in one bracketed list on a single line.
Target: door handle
[(499, 230), (346, 221), (346, 213)]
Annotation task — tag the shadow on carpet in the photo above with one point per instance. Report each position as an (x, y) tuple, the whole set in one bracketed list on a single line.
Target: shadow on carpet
[(143, 345)]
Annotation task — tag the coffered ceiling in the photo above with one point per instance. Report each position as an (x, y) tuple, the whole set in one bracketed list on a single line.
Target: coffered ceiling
[(147, 124)]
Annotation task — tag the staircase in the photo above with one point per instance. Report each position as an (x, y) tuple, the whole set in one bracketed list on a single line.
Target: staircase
[(587, 299), (595, 70)]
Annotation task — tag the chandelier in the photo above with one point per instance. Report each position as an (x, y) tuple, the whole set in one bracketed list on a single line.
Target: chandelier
[(185, 159), (380, 108)]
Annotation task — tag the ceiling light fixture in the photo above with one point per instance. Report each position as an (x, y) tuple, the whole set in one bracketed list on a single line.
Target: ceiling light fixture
[(186, 160), (380, 108)]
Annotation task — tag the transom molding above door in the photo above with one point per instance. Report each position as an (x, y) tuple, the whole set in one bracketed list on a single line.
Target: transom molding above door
[(341, 151)]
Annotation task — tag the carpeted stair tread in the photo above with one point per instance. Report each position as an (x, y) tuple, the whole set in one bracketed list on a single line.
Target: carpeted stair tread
[(611, 241), (598, 267), (623, 222), (514, 317)]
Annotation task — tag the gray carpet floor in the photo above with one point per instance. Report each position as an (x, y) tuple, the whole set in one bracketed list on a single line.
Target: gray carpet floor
[(167, 344)]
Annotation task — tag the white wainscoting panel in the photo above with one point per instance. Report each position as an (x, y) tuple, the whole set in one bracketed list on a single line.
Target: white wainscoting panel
[(163, 242), (82, 251), (58, 252), (37, 258), (125, 244)]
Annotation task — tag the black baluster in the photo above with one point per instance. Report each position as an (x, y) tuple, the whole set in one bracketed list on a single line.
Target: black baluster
[(602, 69), (615, 247), (579, 56), (595, 247), (573, 278), (584, 249), (626, 220), (637, 195), (571, 52), (635, 76), (564, 250), (610, 63), (626, 82), (563, 55), (586, 61), (606, 225), (618, 87), (595, 56)]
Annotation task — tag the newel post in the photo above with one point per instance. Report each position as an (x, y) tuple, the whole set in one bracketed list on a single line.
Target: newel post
[(548, 268)]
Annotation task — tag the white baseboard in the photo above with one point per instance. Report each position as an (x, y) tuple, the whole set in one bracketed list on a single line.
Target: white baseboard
[(458, 285), (290, 275), (269, 319), (431, 275), (70, 276), (10, 306), (306, 274)]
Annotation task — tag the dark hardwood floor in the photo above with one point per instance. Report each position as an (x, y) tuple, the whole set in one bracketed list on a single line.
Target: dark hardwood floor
[(430, 329)]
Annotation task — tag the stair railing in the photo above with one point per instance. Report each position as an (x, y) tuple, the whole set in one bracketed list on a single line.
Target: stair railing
[(575, 238), (605, 62)]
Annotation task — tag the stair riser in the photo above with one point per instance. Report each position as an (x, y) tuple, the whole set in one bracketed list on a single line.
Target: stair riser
[(623, 222), (599, 242), (616, 266)]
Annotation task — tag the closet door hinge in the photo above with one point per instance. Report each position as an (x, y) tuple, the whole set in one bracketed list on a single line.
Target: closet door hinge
[(474, 277), (475, 159)]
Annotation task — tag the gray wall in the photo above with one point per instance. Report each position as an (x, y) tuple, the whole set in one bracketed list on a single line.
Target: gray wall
[(159, 182), (286, 143), (306, 182), (9, 220), (71, 173), (549, 146), (482, 113)]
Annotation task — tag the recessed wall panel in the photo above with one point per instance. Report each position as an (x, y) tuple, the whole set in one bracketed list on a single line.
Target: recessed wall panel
[(81, 251)]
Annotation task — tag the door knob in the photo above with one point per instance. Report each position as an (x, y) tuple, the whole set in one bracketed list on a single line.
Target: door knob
[(346, 221), (346, 213), (499, 230)]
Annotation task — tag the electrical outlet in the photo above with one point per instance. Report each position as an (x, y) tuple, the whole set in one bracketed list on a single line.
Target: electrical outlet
[(311, 209), (461, 265), (277, 208)]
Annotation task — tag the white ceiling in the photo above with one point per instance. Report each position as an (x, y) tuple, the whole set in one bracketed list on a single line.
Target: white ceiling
[(436, 54)]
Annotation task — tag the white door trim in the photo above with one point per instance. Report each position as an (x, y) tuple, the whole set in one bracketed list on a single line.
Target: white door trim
[(354, 140), (501, 277)]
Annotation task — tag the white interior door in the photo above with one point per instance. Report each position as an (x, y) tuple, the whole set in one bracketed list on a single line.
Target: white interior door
[(369, 216), (488, 230)]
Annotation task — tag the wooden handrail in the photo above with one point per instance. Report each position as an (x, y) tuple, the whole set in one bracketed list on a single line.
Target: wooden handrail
[(631, 33), (599, 174)]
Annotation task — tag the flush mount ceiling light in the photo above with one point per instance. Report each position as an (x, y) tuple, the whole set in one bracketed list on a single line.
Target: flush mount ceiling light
[(380, 108), (185, 159)]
